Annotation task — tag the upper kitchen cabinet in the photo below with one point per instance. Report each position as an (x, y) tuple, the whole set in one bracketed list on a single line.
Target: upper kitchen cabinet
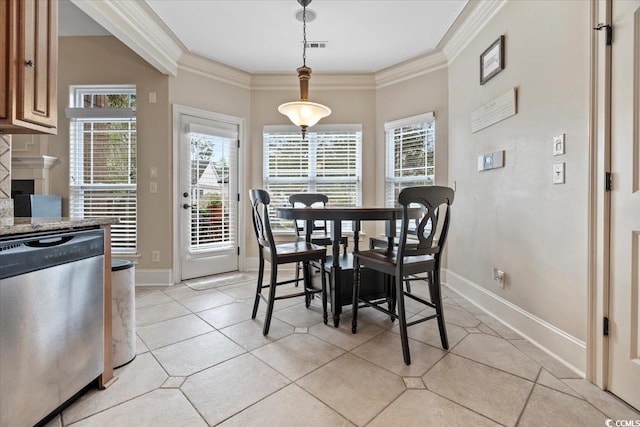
[(28, 66)]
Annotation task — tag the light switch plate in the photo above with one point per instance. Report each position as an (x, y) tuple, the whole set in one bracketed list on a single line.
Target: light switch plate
[(558, 173), (558, 145)]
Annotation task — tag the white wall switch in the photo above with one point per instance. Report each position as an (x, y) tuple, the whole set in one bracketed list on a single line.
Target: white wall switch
[(152, 98), (558, 173), (153, 172), (558, 145)]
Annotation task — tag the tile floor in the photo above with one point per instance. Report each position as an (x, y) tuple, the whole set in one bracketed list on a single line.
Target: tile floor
[(202, 361)]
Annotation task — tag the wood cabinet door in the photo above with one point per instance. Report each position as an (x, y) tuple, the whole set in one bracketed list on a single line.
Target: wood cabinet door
[(37, 62), (5, 62)]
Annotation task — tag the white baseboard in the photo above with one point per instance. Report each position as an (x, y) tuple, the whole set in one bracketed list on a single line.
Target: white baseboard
[(154, 278), (562, 346)]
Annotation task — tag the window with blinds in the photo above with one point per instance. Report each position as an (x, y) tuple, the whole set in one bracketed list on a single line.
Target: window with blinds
[(328, 161), (410, 154), (103, 159)]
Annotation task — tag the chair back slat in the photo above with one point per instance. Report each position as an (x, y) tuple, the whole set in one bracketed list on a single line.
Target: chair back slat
[(432, 227), (308, 200), (260, 212)]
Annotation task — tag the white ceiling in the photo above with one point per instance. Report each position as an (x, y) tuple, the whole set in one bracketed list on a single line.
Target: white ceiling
[(264, 35)]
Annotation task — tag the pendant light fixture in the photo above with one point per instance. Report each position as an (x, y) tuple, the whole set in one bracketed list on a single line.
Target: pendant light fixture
[(304, 113)]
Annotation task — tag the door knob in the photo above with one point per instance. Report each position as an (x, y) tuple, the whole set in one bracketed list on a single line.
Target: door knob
[(186, 206)]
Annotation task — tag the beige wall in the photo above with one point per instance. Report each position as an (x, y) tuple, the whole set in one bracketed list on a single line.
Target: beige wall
[(409, 98), (105, 60), (514, 218)]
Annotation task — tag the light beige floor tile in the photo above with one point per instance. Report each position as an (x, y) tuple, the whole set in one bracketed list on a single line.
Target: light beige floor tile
[(149, 297), (428, 332), (299, 315), (244, 291), (414, 383), (355, 388), (422, 408), (157, 313), (229, 314), (499, 353), (488, 391), (548, 407), (550, 363), (468, 305), (206, 301), (181, 291), (548, 380), (195, 354), (298, 354), (141, 376), (367, 315), (487, 330), (173, 330), (248, 334), (141, 347), (503, 330), (291, 406), (173, 382), (385, 350), (226, 389), (342, 336), (459, 316), (159, 408), (606, 402)]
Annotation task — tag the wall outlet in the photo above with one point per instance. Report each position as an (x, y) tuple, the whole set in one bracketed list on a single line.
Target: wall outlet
[(153, 187), (498, 276), (155, 256)]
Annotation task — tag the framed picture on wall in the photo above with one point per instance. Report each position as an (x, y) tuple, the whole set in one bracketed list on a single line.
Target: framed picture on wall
[(492, 60)]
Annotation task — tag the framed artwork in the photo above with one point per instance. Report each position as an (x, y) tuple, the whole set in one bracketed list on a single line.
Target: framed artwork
[(492, 60)]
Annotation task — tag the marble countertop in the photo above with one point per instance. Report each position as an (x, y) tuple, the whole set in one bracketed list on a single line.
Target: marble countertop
[(11, 226)]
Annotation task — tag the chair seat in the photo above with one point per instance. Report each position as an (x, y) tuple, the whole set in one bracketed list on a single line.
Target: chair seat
[(301, 250), (385, 260)]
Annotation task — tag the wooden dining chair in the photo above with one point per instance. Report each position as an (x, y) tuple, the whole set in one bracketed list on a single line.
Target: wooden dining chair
[(295, 252), (320, 232), (410, 258)]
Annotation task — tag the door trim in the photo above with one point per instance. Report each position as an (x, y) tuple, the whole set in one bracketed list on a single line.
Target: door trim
[(178, 110), (599, 199)]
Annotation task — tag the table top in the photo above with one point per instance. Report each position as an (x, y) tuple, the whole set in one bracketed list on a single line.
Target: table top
[(372, 213)]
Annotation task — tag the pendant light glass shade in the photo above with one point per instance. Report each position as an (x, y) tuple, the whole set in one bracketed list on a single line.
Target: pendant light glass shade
[(304, 113)]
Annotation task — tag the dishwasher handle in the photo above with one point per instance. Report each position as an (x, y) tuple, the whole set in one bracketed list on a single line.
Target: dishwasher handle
[(47, 243)]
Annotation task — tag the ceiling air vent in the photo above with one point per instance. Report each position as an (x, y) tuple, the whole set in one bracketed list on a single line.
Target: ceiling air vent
[(317, 45)]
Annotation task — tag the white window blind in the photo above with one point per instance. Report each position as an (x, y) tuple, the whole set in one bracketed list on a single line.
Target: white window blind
[(410, 154), (103, 160), (328, 161)]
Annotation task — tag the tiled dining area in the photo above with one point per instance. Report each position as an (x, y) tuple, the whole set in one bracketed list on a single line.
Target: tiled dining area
[(201, 361)]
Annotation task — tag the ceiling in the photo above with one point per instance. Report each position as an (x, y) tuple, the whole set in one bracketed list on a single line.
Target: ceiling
[(264, 35)]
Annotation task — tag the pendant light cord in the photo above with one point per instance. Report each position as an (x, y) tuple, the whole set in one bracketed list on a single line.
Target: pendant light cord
[(304, 36)]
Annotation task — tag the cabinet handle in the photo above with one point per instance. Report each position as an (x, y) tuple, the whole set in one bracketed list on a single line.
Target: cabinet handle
[(30, 63)]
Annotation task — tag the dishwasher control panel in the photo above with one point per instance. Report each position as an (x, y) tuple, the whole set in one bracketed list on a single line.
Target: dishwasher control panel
[(25, 254)]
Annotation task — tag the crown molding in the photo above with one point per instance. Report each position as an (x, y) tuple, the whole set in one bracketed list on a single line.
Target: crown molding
[(469, 29), (410, 69), (289, 81), (214, 70), (132, 24)]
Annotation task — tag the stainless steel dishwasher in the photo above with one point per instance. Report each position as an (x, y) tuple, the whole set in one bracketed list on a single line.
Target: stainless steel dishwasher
[(51, 321)]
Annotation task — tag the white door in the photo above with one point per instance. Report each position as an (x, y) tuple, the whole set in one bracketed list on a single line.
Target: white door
[(208, 152), (624, 338)]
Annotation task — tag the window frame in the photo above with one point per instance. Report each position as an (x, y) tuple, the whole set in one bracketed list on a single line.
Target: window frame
[(124, 234), (392, 182), (314, 137)]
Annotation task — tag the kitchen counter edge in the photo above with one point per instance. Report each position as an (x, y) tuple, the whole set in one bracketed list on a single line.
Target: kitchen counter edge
[(19, 225)]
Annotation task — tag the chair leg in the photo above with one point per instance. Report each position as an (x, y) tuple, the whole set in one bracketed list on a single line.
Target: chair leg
[(391, 285), (402, 320), (271, 300), (356, 296), (297, 273), (306, 274), (259, 288), (323, 278), (436, 299)]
